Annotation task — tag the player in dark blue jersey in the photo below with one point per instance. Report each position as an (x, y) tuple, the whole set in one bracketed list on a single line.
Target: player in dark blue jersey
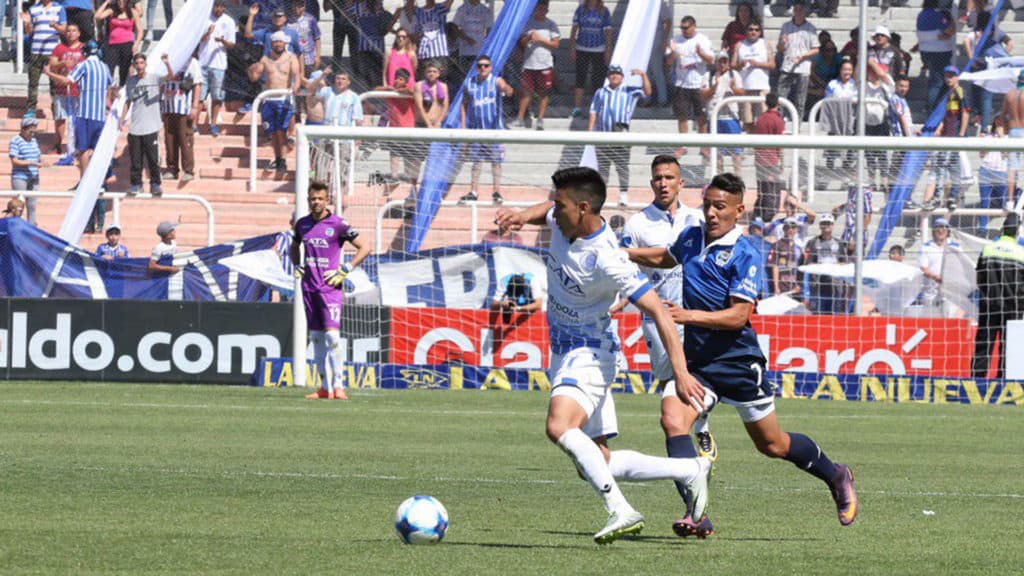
[(721, 276)]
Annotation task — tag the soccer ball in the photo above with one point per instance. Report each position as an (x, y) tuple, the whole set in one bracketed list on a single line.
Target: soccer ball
[(421, 520)]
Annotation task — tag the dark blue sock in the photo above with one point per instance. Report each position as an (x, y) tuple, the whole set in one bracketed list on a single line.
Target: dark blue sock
[(807, 456), (682, 447)]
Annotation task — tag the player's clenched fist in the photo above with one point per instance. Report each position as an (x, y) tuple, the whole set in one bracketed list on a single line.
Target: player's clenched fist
[(336, 278), (509, 219)]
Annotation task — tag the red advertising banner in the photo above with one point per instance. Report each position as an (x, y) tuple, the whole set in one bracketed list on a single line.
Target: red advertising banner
[(830, 344)]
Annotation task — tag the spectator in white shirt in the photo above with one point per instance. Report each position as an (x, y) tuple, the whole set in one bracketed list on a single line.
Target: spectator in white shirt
[(168, 233), (539, 42), (213, 58), (798, 42), (754, 59), (690, 52)]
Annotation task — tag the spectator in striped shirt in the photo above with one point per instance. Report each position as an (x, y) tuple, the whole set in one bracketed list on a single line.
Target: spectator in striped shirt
[(25, 162), (341, 108), (482, 110), (308, 31), (91, 78), (539, 42), (64, 97), (112, 249), (611, 111), (900, 122), (43, 24), (180, 109), (590, 48), (431, 34), (368, 61)]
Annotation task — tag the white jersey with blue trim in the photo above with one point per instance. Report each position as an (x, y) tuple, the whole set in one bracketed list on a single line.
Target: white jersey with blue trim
[(654, 227), (585, 277)]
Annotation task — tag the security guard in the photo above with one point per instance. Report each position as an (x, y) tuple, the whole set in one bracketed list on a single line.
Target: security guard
[(1001, 281)]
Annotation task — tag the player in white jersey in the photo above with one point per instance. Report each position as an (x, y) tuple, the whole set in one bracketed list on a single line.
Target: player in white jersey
[(586, 271), (658, 225)]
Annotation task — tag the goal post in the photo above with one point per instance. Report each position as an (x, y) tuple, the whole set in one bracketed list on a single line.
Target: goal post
[(452, 264)]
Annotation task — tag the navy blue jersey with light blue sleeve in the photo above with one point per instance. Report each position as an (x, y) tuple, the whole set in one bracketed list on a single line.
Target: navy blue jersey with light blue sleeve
[(729, 267)]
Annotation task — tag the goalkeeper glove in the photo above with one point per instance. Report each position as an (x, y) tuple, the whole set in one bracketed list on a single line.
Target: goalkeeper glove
[(335, 278)]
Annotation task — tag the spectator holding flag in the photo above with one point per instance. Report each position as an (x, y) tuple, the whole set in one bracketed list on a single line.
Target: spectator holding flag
[(611, 111)]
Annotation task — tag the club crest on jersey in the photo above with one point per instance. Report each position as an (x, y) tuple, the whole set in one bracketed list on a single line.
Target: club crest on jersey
[(329, 232), (722, 258), (589, 261), (627, 241)]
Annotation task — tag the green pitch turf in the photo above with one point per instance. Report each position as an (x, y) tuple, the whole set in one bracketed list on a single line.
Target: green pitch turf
[(191, 479)]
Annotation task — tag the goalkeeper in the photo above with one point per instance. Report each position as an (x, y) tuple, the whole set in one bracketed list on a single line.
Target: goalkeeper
[(323, 272)]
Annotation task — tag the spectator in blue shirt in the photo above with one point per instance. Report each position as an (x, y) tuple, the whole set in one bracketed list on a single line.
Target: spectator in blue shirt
[(113, 249), (25, 162), (590, 48)]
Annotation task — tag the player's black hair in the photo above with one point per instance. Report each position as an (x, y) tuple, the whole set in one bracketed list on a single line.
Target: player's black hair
[(771, 100), (583, 184), (728, 182), (664, 159), (317, 186)]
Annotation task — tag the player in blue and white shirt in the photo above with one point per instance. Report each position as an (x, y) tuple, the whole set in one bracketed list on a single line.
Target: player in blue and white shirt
[(611, 111), (721, 272), (482, 110), (45, 24), (586, 271), (431, 22), (658, 225)]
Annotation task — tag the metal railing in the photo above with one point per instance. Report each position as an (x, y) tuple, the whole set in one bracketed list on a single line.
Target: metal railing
[(118, 197), (785, 103), (254, 130), (813, 132), (19, 39)]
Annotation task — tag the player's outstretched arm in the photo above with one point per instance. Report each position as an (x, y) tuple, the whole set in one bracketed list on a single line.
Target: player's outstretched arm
[(656, 257), (687, 388), (733, 318), (515, 219)]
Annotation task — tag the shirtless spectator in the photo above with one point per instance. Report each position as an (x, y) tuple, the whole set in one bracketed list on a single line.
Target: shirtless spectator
[(315, 104), (281, 70), (1011, 120)]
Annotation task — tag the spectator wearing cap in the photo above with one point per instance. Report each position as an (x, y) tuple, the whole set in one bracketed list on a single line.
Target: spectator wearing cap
[(783, 259), (768, 161), (265, 36), (15, 208), (112, 249), (755, 234), (44, 23), (25, 162), (824, 294), (218, 39), (611, 111), (946, 164), (142, 97), (997, 45), (723, 82), (936, 40), (91, 78), (590, 48), (930, 261), (754, 59), (798, 43), (180, 108), (539, 42), (883, 56), (689, 52), (168, 233), (1000, 272)]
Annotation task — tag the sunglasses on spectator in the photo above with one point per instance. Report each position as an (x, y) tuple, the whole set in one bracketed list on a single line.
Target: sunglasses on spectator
[(483, 65)]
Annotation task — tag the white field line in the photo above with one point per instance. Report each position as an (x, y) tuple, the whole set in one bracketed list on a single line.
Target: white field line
[(346, 407), (506, 481)]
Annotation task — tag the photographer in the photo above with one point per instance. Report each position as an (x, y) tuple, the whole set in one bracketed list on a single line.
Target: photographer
[(518, 297)]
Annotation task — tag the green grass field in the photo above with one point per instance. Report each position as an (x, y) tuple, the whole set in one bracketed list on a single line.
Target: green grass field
[(193, 479)]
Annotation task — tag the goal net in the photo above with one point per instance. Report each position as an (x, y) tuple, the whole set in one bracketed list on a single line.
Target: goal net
[(445, 299)]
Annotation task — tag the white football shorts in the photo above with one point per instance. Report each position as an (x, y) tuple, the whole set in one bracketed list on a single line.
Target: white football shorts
[(586, 376)]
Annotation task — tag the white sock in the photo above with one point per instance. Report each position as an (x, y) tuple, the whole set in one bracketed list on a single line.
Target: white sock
[(335, 364), (316, 337), (590, 462), (701, 425), (632, 465)]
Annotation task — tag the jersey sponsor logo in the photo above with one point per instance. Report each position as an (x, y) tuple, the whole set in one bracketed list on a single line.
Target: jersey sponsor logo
[(563, 277), (317, 243), (566, 312)]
